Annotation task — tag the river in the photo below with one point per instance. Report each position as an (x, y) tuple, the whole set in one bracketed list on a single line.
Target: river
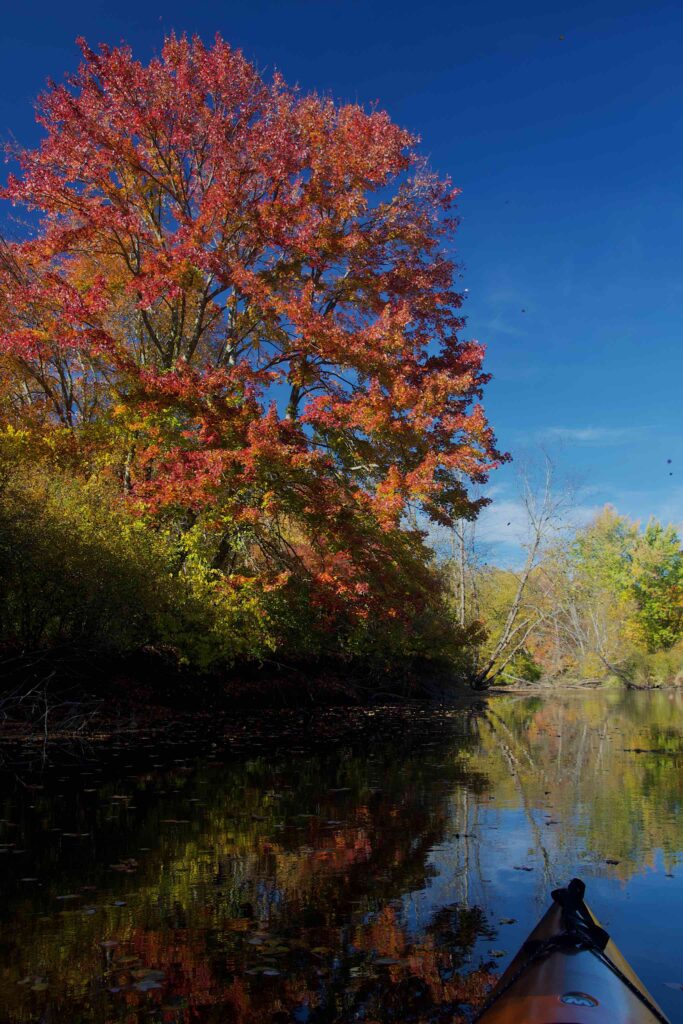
[(381, 880)]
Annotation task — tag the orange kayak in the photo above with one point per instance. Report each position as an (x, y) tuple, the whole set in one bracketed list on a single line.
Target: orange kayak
[(570, 972)]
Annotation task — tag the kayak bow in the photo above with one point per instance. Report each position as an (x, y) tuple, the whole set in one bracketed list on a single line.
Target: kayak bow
[(570, 972)]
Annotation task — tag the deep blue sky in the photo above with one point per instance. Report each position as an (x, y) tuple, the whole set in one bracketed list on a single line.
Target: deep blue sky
[(568, 152)]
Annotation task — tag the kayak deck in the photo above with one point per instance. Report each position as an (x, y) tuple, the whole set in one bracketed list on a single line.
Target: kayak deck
[(555, 981)]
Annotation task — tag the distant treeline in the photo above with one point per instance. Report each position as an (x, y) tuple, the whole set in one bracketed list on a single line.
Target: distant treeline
[(605, 603)]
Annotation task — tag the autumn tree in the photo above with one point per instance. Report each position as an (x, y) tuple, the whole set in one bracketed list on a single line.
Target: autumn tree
[(238, 302)]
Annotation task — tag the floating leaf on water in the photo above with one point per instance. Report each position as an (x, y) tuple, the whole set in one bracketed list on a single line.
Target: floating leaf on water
[(128, 866), (239, 924), (147, 974), (147, 985), (358, 972)]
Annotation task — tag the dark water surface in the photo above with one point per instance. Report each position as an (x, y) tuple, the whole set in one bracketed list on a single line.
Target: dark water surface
[(376, 881)]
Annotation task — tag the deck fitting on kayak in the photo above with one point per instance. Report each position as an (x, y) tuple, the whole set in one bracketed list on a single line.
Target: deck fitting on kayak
[(578, 999), (569, 971)]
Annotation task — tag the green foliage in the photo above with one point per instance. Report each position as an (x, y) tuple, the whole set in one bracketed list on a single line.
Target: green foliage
[(657, 585), (602, 551), (80, 568), (661, 668), (612, 602), (604, 604), (640, 568), (72, 572), (522, 666)]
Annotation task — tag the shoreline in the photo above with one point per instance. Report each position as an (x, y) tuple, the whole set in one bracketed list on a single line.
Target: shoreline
[(247, 713)]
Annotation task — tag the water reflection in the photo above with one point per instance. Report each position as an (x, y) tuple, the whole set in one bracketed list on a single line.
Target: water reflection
[(369, 882)]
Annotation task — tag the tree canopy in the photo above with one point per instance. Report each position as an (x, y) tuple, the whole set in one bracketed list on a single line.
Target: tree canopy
[(235, 304)]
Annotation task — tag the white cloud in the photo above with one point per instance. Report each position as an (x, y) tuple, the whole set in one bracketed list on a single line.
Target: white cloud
[(595, 435), (502, 522), (505, 522), (500, 326)]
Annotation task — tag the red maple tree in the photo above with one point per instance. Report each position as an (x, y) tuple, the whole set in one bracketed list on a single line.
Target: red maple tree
[(246, 293)]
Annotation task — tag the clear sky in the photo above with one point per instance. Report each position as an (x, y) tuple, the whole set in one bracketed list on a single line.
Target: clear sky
[(561, 123)]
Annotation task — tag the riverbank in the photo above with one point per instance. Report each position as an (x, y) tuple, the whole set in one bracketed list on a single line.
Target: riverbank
[(548, 686), (323, 713), (99, 702), (93, 697)]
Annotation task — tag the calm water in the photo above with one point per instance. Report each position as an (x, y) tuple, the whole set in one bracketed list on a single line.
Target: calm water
[(381, 881)]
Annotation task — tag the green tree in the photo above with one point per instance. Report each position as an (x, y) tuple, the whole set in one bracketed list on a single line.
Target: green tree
[(656, 581), (639, 569)]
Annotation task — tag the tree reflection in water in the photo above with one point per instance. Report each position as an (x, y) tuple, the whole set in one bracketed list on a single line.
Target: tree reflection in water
[(362, 883), (277, 889)]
